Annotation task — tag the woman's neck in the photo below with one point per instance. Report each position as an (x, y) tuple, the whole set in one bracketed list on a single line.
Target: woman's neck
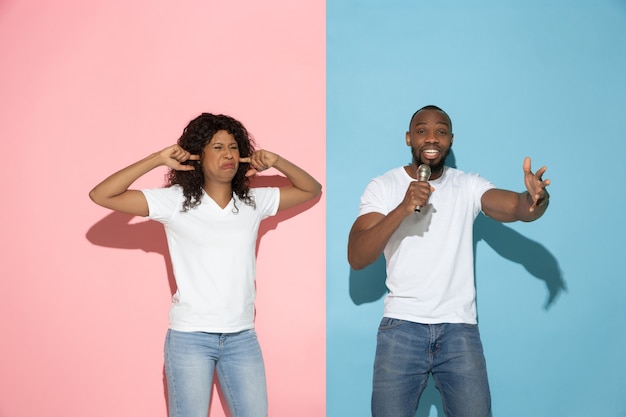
[(220, 193)]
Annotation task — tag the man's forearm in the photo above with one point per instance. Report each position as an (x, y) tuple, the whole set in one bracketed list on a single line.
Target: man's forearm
[(528, 210), (365, 245)]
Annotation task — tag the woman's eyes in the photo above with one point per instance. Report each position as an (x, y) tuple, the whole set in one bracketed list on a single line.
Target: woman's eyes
[(220, 147)]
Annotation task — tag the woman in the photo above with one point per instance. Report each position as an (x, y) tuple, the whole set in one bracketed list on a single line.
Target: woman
[(211, 218)]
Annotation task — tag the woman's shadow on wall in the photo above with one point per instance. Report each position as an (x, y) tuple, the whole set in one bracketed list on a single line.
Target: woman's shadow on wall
[(116, 231), (368, 284)]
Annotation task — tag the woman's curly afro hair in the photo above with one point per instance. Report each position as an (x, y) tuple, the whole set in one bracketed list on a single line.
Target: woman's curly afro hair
[(195, 137)]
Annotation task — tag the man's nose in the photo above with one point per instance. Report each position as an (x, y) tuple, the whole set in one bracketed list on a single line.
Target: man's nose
[(432, 138)]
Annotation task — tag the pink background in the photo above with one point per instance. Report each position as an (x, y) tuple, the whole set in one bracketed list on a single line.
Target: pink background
[(89, 87)]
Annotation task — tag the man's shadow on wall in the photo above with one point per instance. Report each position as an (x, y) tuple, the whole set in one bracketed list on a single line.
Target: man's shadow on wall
[(368, 284), (116, 231)]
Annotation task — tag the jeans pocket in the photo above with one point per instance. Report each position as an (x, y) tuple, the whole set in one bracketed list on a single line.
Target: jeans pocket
[(388, 323)]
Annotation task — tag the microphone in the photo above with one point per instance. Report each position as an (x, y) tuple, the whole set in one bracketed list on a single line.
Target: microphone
[(423, 174)]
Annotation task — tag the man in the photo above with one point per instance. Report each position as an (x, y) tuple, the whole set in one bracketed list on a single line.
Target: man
[(424, 229)]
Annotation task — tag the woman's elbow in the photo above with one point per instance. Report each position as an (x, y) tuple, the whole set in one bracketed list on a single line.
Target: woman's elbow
[(318, 190), (93, 196)]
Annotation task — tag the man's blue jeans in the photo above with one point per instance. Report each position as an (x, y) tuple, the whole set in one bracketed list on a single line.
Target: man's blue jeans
[(407, 352), (190, 361)]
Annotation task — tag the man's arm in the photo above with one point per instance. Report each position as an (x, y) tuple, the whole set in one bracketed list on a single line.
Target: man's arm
[(509, 206), (371, 232), (368, 237)]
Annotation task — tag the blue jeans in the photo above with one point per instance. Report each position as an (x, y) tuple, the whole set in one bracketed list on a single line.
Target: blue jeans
[(190, 361), (407, 352)]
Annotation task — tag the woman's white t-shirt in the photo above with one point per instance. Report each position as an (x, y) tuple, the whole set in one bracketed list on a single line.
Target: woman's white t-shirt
[(213, 257)]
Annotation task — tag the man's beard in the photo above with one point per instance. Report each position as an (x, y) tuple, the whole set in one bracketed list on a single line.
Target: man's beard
[(434, 168)]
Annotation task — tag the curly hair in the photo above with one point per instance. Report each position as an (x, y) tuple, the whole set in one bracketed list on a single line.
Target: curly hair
[(195, 137)]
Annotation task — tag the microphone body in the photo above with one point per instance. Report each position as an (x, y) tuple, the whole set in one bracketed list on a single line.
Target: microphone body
[(423, 174)]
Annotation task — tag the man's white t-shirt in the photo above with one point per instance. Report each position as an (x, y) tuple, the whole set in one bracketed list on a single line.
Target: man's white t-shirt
[(430, 267), (213, 257)]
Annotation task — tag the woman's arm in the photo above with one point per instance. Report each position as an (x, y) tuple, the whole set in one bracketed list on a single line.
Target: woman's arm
[(113, 192), (303, 186)]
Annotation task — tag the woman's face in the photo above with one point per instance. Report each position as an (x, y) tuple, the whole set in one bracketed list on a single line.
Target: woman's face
[(220, 158)]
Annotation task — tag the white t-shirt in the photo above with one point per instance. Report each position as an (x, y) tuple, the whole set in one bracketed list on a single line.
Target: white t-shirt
[(213, 257), (430, 262)]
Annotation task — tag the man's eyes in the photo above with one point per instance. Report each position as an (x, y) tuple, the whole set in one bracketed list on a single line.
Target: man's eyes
[(439, 132)]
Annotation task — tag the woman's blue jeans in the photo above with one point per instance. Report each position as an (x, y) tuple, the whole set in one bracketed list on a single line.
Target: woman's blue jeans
[(191, 358), (407, 352)]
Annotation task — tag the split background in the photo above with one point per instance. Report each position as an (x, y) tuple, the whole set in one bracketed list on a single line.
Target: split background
[(89, 87)]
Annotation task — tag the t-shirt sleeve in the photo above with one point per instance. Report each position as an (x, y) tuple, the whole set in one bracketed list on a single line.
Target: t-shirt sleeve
[(163, 202), (373, 199), (267, 200), (479, 187)]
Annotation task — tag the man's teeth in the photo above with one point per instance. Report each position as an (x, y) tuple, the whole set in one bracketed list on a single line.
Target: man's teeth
[(431, 151)]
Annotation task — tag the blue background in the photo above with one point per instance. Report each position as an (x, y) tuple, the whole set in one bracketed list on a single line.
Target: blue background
[(539, 78)]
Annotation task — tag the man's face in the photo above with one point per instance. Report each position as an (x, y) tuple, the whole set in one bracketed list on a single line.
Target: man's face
[(430, 138)]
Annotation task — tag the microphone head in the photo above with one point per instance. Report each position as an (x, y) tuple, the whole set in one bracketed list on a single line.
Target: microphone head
[(423, 172)]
